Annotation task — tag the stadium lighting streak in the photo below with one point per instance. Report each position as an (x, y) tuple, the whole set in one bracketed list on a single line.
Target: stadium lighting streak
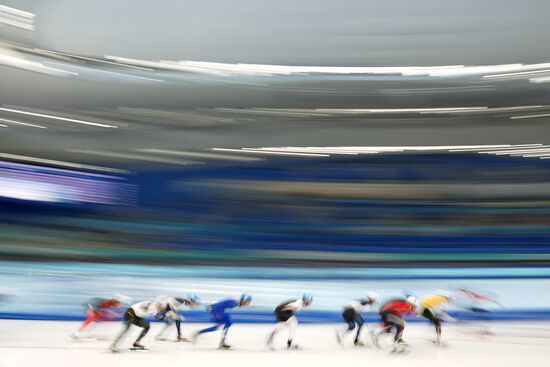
[(17, 18), (323, 150), (503, 109), (22, 123), (512, 151), (521, 73), (131, 156), (535, 155), (545, 79), (534, 152), (274, 112), (493, 147), (328, 112), (298, 154), (226, 69), (97, 60), (12, 59), (534, 149), (401, 110), (21, 190), (93, 70), (253, 151), (473, 70), (59, 170), (201, 155), (529, 116), (240, 69), (61, 163), (354, 150), (58, 118), (386, 148)]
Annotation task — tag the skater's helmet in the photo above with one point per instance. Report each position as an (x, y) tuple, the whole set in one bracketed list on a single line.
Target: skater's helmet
[(191, 297), (413, 301), (373, 297), (307, 299), (245, 298), (409, 293)]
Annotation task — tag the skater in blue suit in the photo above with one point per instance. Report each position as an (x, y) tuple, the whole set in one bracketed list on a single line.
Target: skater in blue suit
[(219, 316)]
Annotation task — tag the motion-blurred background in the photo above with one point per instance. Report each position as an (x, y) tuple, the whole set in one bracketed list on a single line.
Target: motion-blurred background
[(215, 147)]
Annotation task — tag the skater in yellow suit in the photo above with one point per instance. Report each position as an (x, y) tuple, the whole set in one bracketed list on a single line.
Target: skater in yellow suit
[(433, 307)]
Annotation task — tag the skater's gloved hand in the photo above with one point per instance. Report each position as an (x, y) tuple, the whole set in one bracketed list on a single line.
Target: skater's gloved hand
[(160, 316)]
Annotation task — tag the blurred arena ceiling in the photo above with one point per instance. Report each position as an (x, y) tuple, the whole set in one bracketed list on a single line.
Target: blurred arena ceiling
[(78, 78)]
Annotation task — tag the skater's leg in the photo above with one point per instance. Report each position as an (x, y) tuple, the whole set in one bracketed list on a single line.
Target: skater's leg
[(90, 317), (349, 318), (209, 329), (126, 325), (359, 320), (436, 321), (176, 318), (178, 328), (292, 324), (350, 325), (386, 324), (226, 325), (143, 324), (280, 326), (399, 332), (398, 324), (437, 324)]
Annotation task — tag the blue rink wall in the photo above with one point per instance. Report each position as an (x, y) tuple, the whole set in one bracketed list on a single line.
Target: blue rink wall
[(57, 291)]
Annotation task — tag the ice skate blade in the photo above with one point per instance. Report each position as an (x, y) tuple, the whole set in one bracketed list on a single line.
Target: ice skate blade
[(294, 347)]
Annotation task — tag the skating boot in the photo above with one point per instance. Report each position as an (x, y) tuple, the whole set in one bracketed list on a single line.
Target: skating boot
[(138, 346), (183, 339), (224, 345), (402, 342), (290, 345)]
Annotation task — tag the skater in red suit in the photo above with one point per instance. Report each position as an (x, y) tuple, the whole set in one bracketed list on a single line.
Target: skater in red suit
[(392, 317), (99, 309)]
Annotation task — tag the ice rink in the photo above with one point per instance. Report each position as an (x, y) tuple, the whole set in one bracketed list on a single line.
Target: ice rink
[(48, 343)]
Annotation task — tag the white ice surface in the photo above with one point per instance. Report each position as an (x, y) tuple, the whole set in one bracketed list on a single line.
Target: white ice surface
[(47, 343)]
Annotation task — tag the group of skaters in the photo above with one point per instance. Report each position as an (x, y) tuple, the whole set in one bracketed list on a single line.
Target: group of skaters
[(168, 309), (392, 314)]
